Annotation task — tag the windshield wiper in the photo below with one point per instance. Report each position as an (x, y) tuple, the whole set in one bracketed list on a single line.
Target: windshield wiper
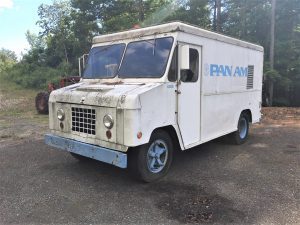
[(153, 44)]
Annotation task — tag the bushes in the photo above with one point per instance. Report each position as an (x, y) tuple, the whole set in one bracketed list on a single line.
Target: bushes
[(33, 71), (32, 76)]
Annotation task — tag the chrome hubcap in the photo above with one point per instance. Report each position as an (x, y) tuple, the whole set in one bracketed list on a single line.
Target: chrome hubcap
[(157, 156), (243, 128)]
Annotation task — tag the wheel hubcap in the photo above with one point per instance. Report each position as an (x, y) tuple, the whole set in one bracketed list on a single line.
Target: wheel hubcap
[(243, 127), (157, 156)]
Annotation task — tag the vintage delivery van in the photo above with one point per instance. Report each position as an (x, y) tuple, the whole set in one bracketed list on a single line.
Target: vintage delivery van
[(147, 91)]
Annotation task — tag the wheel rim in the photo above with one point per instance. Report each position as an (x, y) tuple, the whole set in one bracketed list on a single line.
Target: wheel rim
[(243, 127), (157, 156)]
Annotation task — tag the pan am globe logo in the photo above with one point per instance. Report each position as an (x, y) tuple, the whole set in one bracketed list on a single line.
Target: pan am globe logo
[(216, 70)]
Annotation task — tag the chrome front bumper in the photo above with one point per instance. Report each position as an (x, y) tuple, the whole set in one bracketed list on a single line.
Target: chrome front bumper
[(106, 155)]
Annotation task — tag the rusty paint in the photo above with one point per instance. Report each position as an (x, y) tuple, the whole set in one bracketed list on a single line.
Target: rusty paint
[(120, 126), (123, 97), (113, 83), (105, 100)]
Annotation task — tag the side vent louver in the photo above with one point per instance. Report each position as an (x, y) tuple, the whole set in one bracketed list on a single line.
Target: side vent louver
[(250, 77)]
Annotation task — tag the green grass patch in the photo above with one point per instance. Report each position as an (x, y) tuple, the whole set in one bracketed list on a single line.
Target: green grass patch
[(18, 102)]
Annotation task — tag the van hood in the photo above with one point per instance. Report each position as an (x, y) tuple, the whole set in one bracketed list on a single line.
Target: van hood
[(115, 95)]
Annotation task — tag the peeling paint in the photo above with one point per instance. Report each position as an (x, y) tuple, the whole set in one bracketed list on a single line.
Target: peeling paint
[(114, 83), (123, 97)]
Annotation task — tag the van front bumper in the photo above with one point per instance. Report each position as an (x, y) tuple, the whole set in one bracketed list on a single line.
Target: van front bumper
[(106, 155)]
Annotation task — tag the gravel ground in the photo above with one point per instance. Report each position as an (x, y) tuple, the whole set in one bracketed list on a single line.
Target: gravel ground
[(215, 183)]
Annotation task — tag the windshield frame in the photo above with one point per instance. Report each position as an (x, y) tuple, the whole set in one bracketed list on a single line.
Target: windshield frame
[(149, 40), (106, 47), (126, 42)]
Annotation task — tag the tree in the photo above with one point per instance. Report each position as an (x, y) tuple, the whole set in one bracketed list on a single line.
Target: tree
[(7, 59), (36, 53), (192, 11), (247, 20), (287, 53), (115, 18), (55, 20)]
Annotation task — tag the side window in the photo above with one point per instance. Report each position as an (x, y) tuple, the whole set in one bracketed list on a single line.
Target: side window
[(191, 75), (172, 75)]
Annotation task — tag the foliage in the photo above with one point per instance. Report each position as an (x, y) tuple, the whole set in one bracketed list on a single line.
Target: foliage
[(7, 59), (194, 12), (32, 76)]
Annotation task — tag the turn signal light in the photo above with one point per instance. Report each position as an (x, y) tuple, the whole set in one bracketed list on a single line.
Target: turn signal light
[(108, 134), (139, 135)]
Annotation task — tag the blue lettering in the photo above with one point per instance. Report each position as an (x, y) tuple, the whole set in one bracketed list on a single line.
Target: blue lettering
[(244, 71), (214, 70), (225, 70), (222, 70), (228, 70), (237, 72)]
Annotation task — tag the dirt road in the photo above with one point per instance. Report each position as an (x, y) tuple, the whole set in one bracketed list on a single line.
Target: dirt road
[(216, 183)]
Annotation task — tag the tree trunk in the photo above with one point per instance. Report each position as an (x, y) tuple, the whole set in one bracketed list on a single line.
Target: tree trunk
[(218, 6), (272, 41), (66, 53), (272, 34), (215, 16), (141, 11)]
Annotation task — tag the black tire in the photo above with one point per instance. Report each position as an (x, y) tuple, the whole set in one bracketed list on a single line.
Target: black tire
[(140, 159), (241, 135), (41, 102), (79, 157)]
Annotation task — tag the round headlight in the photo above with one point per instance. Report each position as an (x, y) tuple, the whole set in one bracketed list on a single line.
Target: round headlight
[(60, 114), (108, 121)]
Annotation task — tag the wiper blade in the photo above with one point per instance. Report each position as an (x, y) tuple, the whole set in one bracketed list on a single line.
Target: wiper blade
[(153, 45)]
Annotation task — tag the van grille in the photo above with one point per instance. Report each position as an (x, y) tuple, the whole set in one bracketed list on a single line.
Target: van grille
[(84, 120)]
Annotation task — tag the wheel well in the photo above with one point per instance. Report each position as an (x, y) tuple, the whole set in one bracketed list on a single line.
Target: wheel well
[(171, 131), (248, 113)]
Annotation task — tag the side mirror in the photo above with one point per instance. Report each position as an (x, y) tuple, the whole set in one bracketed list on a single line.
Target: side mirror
[(186, 75), (82, 60), (184, 57)]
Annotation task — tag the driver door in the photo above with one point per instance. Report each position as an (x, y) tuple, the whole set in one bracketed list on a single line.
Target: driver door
[(188, 89)]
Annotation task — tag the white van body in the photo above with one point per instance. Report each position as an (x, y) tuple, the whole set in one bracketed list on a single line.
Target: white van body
[(228, 81)]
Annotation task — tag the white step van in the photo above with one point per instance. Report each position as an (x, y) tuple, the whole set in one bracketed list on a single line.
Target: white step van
[(146, 91)]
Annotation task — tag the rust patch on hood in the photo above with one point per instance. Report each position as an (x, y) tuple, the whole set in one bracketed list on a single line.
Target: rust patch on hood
[(113, 83)]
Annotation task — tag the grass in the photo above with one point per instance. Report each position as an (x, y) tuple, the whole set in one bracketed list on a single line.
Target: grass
[(18, 116), (16, 101)]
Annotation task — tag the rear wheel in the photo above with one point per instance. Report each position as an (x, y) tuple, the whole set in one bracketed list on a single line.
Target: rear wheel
[(152, 161), (241, 135), (41, 102)]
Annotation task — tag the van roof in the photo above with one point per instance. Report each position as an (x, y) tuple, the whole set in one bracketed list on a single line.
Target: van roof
[(174, 27)]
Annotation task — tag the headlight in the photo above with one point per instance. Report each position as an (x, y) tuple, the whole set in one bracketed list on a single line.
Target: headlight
[(60, 114), (108, 121)]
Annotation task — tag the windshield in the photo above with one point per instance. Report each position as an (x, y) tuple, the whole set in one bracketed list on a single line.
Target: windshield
[(104, 61), (142, 59), (146, 59)]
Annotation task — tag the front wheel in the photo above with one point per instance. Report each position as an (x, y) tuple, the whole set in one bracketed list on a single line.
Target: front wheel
[(152, 161), (241, 135)]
